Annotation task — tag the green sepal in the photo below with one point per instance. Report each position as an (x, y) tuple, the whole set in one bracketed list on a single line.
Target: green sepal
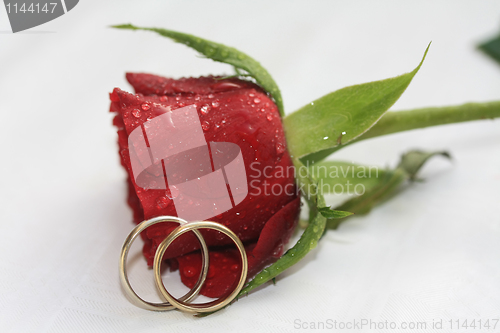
[(309, 238), (307, 241), (222, 53), (412, 161), (388, 186)]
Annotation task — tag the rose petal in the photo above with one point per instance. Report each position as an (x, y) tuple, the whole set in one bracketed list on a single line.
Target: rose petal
[(225, 264)]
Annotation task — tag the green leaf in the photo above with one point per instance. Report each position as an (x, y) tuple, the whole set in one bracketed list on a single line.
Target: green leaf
[(492, 48), (222, 53), (337, 176), (333, 214), (342, 116)]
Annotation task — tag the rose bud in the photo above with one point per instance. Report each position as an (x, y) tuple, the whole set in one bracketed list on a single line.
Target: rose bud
[(230, 110)]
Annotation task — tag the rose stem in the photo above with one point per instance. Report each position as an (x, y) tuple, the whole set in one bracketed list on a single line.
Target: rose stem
[(393, 122)]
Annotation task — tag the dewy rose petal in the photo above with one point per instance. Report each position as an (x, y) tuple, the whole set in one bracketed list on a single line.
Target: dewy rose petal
[(230, 110)]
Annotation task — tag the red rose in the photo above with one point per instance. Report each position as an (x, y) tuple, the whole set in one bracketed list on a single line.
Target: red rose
[(230, 110)]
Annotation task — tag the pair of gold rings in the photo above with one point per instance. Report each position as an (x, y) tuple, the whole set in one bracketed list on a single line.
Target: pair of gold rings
[(183, 302)]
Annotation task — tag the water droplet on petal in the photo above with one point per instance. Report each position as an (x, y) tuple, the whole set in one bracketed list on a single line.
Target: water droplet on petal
[(174, 192), (189, 271), (256, 100), (269, 117), (280, 148), (278, 251), (204, 109), (215, 104), (205, 125), (136, 113), (163, 98), (162, 202), (224, 86), (145, 106)]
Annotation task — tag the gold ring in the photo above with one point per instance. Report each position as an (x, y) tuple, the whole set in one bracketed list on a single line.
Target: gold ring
[(123, 265), (205, 307)]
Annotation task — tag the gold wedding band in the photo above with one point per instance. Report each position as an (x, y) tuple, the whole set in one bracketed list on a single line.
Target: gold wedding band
[(123, 265), (205, 307)]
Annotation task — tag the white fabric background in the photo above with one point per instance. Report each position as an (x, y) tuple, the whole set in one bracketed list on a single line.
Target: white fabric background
[(432, 253)]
